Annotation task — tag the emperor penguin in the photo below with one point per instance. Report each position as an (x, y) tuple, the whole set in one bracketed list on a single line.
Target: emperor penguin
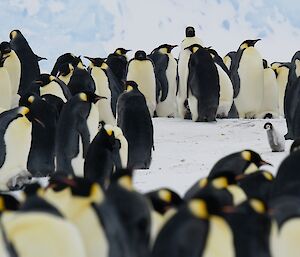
[(107, 107), (203, 85), (282, 73), (141, 70), (117, 61), (276, 140), (134, 119), (13, 67), (183, 70), (65, 72), (14, 146), (86, 206), (5, 86), (29, 61), (76, 128), (248, 78), (67, 58), (166, 74), (229, 59), (270, 105), (226, 87)]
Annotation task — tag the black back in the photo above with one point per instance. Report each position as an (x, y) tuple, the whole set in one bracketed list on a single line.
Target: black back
[(117, 63), (65, 58), (80, 81)]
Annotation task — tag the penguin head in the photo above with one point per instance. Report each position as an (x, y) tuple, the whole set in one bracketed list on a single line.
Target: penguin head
[(190, 31), (166, 48), (44, 79), (249, 43), (253, 157), (295, 145), (5, 48), (131, 85), (121, 51), (65, 69), (223, 179), (123, 177), (8, 203), (194, 48), (268, 126), (265, 64), (140, 55), (90, 97), (14, 34), (97, 62)]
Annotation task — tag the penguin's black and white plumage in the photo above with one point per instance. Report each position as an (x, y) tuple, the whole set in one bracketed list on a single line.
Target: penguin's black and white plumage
[(104, 87), (134, 215), (270, 104), (282, 72), (5, 86), (203, 85), (67, 58), (76, 128), (183, 71), (226, 87), (117, 62), (13, 67), (134, 119), (229, 59), (275, 139), (243, 162), (30, 69), (141, 70), (248, 79), (166, 75)]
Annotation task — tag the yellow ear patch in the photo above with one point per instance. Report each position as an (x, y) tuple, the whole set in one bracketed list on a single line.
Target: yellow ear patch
[(220, 183), (83, 97), (198, 208), (165, 195), (30, 99), (119, 52), (96, 193), (195, 49), (104, 66), (244, 46), (203, 182), (246, 155), (24, 110), (129, 88), (14, 34), (126, 182), (268, 175), (80, 65), (258, 206), (109, 132), (52, 78), (163, 50)]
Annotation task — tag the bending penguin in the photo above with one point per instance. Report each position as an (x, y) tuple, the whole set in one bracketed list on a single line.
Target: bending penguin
[(203, 85), (141, 70), (183, 71), (166, 75), (248, 78), (135, 121)]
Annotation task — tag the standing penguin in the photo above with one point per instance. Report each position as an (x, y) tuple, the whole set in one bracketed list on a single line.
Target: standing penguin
[(107, 107), (183, 71), (248, 78), (135, 121), (77, 126), (166, 73), (276, 140), (117, 61), (203, 85), (229, 59), (282, 72), (29, 61), (270, 105), (141, 70), (13, 67), (5, 86)]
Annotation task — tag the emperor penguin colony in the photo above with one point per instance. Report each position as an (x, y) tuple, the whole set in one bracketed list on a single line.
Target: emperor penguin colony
[(87, 130)]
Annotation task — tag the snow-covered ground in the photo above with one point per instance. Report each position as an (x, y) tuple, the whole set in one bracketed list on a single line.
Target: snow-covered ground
[(186, 151)]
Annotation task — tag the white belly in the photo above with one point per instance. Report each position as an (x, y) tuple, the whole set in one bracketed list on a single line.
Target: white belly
[(53, 89), (13, 66), (168, 107), (5, 89), (193, 104), (18, 141), (250, 97), (282, 80)]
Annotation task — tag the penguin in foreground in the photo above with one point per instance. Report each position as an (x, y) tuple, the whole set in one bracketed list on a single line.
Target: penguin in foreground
[(30, 69), (243, 162), (203, 85), (183, 71), (117, 61), (133, 210), (270, 105), (276, 140), (248, 79), (76, 128), (135, 121), (13, 67), (85, 205), (5, 86), (141, 70), (166, 75)]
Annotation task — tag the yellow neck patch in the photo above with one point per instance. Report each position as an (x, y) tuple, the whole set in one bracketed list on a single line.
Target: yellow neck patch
[(165, 195), (258, 206), (126, 182), (14, 34), (198, 208), (246, 155), (104, 66), (129, 88), (24, 110), (203, 182), (96, 194), (268, 175), (83, 97), (244, 46), (220, 183)]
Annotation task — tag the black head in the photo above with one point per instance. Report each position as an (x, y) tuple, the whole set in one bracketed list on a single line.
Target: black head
[(295, 145), (190, 31), (96, 61), (253, 157), (90, 97), (14, 34), (130, 85), (140, 55), (44, 79), (296, 57), (249, 43), (268, 126), (194, 48), (8, 203), (121, 51), (65, 69), (5, 48), (265, 63), (166, 48)]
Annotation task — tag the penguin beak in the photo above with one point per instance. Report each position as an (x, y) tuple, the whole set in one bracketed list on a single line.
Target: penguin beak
[(126, 51), (40, 122), (89, 58), (262, 162), (97, 98), (256, 40)]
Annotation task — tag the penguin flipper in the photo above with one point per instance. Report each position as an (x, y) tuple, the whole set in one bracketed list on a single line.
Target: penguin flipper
[(85, 135)]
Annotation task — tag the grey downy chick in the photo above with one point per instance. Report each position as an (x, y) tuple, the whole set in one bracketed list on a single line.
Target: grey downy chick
[(276, 140)]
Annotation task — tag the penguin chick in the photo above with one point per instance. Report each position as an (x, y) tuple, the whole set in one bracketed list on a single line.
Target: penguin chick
[(276, 140)]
